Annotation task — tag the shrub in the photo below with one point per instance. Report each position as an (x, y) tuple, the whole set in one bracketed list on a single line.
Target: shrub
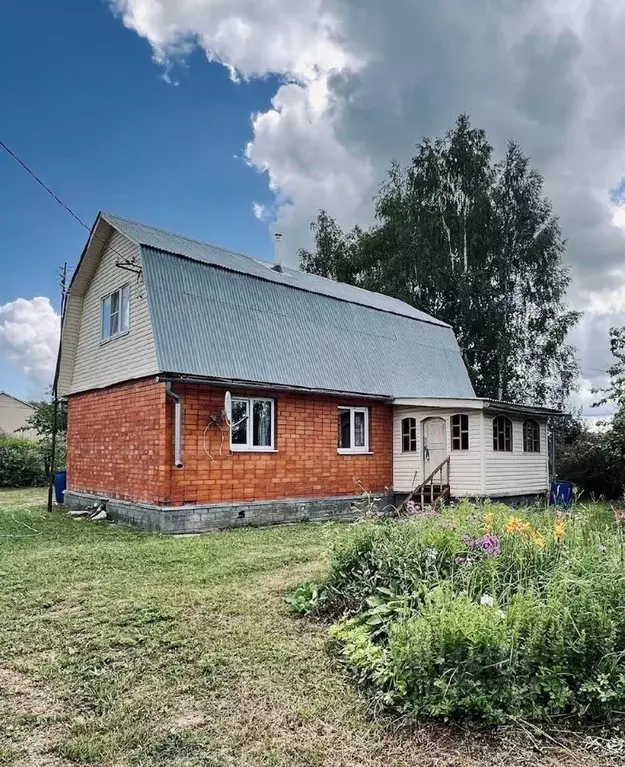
[(484, 613), (21, 462), (592, 464)]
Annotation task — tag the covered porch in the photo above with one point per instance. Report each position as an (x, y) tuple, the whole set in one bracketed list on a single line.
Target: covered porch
[(469, 448)]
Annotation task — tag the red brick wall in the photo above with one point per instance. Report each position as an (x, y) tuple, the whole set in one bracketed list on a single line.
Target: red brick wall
[(116, 442), (120, 442)]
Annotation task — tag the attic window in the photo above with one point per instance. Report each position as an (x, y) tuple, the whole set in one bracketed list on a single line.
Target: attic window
[(116, 313)]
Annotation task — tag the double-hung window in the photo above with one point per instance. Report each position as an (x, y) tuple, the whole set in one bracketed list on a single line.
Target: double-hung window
[(252, 424), (116, 313), (353, 430)]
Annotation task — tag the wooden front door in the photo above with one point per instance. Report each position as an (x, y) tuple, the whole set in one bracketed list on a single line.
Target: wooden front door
[(434, 444)]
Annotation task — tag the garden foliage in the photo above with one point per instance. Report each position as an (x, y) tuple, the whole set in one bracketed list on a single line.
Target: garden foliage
[(22, 462), (480, 612)]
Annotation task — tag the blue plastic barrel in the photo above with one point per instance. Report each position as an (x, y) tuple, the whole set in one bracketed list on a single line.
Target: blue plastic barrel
[(60, 483), (561, 493)]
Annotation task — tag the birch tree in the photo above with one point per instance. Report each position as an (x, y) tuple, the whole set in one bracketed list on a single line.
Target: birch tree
[(473, 242)]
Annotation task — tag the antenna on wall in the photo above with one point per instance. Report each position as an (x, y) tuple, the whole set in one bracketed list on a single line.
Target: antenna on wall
[(278, 251), (228, 407)]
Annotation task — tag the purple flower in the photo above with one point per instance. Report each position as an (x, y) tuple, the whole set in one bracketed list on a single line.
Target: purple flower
[(488, 544)]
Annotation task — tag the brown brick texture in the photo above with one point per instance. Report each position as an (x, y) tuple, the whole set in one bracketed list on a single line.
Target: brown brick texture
[(120, 442), (116, 442)]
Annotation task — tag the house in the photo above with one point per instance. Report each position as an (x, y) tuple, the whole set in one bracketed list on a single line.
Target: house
[(206, 388), (14, 414)]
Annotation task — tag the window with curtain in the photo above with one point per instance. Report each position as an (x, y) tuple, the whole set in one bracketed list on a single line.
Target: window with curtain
[(353, 429), (531, 436), (252, 424), (409, 435), (502, 434), (460, 431)]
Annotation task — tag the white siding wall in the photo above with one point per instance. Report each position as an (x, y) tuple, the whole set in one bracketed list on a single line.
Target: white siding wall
[(466, 467), (517, 472), (13, 416), (133, 355)]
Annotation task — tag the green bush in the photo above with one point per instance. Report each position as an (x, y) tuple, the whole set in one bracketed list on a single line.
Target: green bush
[(483, 613), (21, 462), (592, 463)]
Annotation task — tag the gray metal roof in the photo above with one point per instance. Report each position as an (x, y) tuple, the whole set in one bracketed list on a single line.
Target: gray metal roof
[(294, 278), (225, 323)]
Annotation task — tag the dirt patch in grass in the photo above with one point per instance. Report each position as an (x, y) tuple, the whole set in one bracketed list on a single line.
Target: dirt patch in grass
[(29, 715), (120, 649), (20, 696)]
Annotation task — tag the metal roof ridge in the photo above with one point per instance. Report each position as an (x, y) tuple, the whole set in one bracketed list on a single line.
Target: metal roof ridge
[(267, 264)]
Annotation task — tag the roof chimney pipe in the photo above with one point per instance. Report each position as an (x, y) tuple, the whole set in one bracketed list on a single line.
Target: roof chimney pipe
[(278, 252)]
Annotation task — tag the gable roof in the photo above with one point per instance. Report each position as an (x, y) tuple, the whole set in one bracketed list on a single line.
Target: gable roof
[(16, 399), (158, 239), (224, 317)]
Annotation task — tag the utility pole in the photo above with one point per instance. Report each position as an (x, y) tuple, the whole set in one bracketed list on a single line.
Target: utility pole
[(55, 396)]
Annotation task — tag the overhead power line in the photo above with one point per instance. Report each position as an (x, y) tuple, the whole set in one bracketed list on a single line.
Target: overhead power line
[(56, 198), (32, 173)]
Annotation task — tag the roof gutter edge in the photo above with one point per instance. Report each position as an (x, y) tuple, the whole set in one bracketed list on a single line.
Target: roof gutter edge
[(263, 385)]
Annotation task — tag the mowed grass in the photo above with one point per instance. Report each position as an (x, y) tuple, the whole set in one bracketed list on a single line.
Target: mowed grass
[(122, 648)]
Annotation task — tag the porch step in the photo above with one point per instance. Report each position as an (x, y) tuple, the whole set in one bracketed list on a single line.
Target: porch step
[(434, 488)]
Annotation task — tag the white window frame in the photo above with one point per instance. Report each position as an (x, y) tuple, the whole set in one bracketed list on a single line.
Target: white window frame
[(362, 448), (248, 447), (122, 330)]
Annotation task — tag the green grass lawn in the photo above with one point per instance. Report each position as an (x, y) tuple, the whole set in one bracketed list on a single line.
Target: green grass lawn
[(120, 648)]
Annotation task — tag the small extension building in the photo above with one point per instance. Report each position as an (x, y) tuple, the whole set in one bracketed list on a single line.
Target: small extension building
[(208, 389)]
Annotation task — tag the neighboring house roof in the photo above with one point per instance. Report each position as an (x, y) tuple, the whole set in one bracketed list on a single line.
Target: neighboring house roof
[(20, 401), (222, 316), (14, 414)]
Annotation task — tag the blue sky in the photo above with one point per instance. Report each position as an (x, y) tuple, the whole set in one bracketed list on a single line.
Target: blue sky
[(329, 92), (85, 106)]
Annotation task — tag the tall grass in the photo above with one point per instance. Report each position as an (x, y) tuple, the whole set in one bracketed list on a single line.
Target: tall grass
[(483, 612)]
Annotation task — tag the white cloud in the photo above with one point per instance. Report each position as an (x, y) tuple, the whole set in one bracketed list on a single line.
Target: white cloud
[(29, 337), (363, 81), (261, 212)]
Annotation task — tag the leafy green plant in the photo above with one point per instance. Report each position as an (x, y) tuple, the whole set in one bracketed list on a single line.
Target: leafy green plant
[(307, 598), (484, 613), (21, 462)]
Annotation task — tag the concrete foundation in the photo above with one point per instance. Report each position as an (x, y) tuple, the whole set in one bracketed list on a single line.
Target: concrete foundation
[(200, 519)]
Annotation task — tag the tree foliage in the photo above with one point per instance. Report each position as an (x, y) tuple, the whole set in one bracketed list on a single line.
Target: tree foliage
[(614, 394), (476, 243), (41, 421)]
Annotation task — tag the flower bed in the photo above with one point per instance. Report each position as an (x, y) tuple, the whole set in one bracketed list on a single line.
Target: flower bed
[(481, 612)]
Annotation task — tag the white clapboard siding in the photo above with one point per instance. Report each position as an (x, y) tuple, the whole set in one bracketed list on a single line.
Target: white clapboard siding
[(465, 465), (515, 473), (71, 330), (98, 364)]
